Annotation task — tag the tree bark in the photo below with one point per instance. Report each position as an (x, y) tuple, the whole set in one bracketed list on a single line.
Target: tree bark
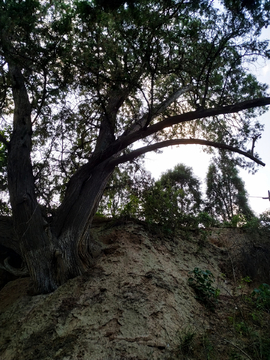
[(73, 222), (58, 250), (29, 226), (55, 251), (61, 250)]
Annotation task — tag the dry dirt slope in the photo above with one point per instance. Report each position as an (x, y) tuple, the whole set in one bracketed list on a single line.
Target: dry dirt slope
[(134, 304)]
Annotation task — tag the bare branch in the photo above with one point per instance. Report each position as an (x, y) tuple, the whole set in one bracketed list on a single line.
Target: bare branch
[(133, 154), (253, 142), (44, 93), (144, 120), (165, 104), (189, 116), (238, 348), (125, 140)]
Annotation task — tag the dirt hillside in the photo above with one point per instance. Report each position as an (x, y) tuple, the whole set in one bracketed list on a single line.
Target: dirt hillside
[(136, 302)]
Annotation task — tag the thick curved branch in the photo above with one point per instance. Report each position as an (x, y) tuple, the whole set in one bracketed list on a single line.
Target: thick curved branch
[(133, 154), (125, 140), (189, 116)]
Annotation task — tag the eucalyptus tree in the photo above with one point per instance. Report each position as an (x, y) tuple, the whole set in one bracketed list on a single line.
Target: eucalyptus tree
[(82, 81), (173, 200), (226, 193)]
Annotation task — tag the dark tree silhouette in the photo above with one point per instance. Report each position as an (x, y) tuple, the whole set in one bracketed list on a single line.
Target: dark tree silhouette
[(83, 83), (226, 193)]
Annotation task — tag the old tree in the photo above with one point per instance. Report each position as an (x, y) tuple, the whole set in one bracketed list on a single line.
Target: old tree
[(81, 81)]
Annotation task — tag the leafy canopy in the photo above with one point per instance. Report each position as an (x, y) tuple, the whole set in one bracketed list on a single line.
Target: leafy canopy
[(98, 75), (226, 193), (173, 199)]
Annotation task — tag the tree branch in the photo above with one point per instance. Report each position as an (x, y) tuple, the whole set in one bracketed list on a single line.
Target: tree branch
[(125, 140), (189, 116), (44, 93), (143, 122), (163, 106), (133, 154)]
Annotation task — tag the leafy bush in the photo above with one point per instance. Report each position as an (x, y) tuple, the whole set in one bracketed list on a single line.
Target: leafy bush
[(265, 220), (252, 223), (206, 220), (174, 200), (202, 282), (262, 297), (186, 342)]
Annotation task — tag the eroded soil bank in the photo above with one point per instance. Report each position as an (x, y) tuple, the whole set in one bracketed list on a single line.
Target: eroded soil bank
[(136, 302)]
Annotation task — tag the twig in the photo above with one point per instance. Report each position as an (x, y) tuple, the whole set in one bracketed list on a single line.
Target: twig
[(238, 348)]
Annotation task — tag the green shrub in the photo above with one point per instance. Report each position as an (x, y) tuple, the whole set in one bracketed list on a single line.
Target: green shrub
[(262, 297), (206, 220), (186, 342), (202, 282)]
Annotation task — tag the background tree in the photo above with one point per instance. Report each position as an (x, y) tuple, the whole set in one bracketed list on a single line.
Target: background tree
[(123, 194), (84, 82), (226, 193), (265, 220), (174, 200)]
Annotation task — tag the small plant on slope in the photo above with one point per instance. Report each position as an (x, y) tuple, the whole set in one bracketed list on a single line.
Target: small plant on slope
[(262, 296), (202, 282)]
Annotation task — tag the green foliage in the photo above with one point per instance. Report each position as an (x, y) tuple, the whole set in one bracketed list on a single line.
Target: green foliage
[(3, 156), (86, 61), (240, 220), (81, 81), (243, 335), (260, 346), (202, 282), (242, 328), (186, 342), (264, 221), (226, 194), (123, 195), (259, 224), (174, 200), (208, 348), (251, 323), (246, 280), (160, 206), (254, 340), (206, 220), (132, 207), (262, 297), (252, 224), (171, 202)]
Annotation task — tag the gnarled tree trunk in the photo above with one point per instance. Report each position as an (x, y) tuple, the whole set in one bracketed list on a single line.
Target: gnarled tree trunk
[(57, 250)]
